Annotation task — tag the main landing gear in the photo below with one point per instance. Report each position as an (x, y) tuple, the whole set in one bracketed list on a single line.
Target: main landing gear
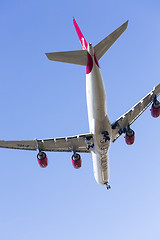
[(107, 186), (106, 136), (89, 142)]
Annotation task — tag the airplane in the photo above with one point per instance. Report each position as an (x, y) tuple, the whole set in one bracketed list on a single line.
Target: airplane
[(102, 132)]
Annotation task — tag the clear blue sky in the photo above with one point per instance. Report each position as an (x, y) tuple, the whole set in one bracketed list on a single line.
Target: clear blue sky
[(44, 99)]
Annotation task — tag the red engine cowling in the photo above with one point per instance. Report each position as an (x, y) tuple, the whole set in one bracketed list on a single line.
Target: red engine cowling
[(155, 109), (76, 161), (42, 159), (130, 136)]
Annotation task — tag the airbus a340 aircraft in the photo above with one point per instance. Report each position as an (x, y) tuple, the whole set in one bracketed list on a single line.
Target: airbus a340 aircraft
[(102, 132)]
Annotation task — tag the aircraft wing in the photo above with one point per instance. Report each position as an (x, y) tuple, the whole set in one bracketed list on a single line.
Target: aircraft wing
[(129, 117), (77, 143)]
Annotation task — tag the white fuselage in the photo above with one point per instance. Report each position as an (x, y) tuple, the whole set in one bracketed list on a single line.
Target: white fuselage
[(98, 119)]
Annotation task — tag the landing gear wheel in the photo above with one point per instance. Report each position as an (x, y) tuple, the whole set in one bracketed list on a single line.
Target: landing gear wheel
[(106, 136), (108, 186)]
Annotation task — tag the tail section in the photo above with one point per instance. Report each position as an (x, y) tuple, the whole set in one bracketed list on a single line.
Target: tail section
[(80, 57), (80, 35), (75, 57)]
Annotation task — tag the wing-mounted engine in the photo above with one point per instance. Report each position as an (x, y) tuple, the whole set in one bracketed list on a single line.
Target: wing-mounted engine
[(76, 161), (129, 136), (42, 159), (129, 133), (155, 108)]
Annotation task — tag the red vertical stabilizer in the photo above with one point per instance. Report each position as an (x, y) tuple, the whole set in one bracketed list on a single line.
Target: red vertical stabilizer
[(80, 35)]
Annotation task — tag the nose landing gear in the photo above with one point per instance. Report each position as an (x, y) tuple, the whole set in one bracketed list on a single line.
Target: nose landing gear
[(107, 186)]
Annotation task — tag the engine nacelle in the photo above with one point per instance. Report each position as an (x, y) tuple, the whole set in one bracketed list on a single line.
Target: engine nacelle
[(130, 136), (76, 161), (42, 159), (155, 109)]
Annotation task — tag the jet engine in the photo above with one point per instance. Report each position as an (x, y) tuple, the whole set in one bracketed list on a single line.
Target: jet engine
[(42, 159), (155, 109), (76, 161), (130, 136)]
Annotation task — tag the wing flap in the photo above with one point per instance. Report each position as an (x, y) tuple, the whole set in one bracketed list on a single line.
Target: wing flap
[(67, 144)]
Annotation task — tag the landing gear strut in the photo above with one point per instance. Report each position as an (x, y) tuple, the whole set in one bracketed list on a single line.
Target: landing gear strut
[(89, 142), (107, 186), (106, 136)]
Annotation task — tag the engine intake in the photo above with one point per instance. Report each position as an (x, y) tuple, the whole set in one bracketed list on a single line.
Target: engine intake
[(42, 159), (76, 161), (130, 136), (155, 109)]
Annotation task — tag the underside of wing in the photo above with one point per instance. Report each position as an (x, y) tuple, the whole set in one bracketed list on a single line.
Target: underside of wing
[(21, 145), (78, 143), (129, 117)]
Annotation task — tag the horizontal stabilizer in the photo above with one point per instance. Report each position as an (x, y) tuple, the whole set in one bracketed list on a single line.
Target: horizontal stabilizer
[(75, 57), (101, 48)]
